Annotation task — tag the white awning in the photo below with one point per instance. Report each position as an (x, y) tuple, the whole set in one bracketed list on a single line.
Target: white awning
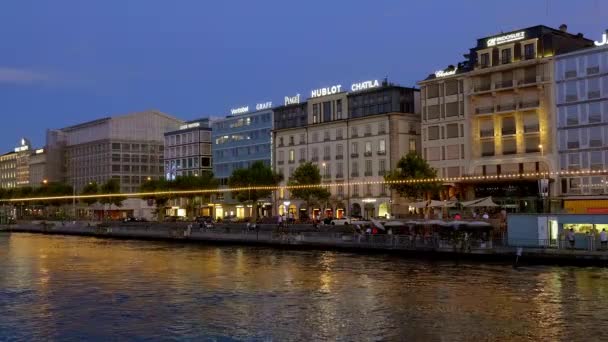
[(480, 202)]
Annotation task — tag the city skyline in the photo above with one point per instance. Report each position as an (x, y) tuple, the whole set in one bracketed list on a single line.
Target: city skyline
[(57, 77)]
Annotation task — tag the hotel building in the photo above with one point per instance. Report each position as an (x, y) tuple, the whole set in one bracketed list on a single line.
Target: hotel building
[(188, 149), (239, 140), (353, 137), (509, 122), (582, 128), (15, 166)]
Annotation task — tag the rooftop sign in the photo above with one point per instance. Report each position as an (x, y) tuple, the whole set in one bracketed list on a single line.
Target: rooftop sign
[(443, 73), (239, 110), (262, 106), (190, 125), (326, 91), (604, 40), (289, 100), (364, 85), (507, 38)]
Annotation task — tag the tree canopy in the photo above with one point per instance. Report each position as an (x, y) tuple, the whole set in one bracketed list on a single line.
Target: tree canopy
[(90, 189), (258, 174), (412, 166), (308, 174)]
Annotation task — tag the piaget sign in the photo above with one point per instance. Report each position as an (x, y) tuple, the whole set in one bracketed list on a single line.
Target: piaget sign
[(604, 40), (289, 100), (507, 38)]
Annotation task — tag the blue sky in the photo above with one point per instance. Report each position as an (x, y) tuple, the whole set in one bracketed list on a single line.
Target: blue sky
[(67, 61)]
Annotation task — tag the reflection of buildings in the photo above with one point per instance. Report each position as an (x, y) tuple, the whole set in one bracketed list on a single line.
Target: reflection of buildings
[(239, 140), (126, 148), (352, 137), (495, 113), (582, 127)]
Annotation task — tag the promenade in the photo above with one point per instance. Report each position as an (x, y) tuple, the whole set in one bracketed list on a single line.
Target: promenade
[(302, 236)]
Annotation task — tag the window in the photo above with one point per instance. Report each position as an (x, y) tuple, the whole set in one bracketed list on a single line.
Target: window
[(381, 128), (354, 169), (354, 148), (280, 141), (432, 91), (382, 146), (315, 153), (532, 144), (340, 190), (529, 52), (595, 112), (451, 87), (368, 167), (302, 139), (451, 109), (412, 145), (595, 137), (326, 111), (292, 155), (382, 165), (368, 130), (593, 64), (315, 137), (573, 139), (339, 110), (571, 91), (508, 125), (315, 113), (356, 190), (574, 161), (597, 162), (339, 150), (291, 140), (433, 132), (339, 167), (433, 154), (487, 148), (485, 60), (339, 133), (452, 152), (571, 115), (368, 148), (509, 146), (505, 56), (353, 132), (593, 88), (451, 130), (302, 154), (531, 124), (326, 136), (432, 112)]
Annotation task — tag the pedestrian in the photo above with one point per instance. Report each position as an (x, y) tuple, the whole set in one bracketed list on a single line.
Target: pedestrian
[(485, 215), (571, 237), (603, 239), (291, 219), (474, 214), (457, 217), (280, 221)]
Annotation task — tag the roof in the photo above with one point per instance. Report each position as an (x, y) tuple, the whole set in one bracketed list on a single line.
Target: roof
[(106, 119)]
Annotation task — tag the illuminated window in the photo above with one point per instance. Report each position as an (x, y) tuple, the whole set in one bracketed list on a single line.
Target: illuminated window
[(292, 155)]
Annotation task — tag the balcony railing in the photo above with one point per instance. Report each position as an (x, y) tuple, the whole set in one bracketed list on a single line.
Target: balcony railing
[(529, 104), (354, 155), (382, 173), (354, 174), (382, 132), (509, 151), (571, 98), (302, 160), (528, 56), (503, 84), (354, 135), (483, 87), (532, 128), (367, 154), (528, 80), (314, 159), (292, 161), (593, 94), (368, 174), (532, 149), (506, 107), (573, 144), (280, 162), (487, 154), (486, 133), (508, 131), (484, 110), (593, 70), (291, 143), (339, 175), (368, 134), (339, 157), (326, 157), (382, 153), (326, 139)]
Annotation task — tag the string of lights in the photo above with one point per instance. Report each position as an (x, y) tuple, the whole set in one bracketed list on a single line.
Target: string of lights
[(325, 185)]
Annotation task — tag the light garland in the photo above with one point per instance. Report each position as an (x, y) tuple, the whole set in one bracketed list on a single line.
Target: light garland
[(311, 186)]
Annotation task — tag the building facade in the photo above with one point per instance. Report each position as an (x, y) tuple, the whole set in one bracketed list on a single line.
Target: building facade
[(188, 150), (354, 138), (582, 128), (239, 140), (37, 168), (509, 122), (8, 170), (128, 148), (15, 166)]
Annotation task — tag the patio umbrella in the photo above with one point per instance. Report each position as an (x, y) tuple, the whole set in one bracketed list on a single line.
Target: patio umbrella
[(480, 202), (394, 224)]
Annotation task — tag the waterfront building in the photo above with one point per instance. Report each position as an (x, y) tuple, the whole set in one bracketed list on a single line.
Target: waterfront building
[(37, 168), (353, 137), (239, 140), (188, 149), (127, 148), (582, 127), (14, 166), (509, 123), (8, 170)]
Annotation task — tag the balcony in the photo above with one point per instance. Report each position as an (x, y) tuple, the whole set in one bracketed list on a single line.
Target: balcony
[(292, 161), (573, 144), (529, 80), (368, 134), (529, 104), (280, 145), (381, 132), (339, 175), (326, 157), (280, 162), (532, 128), (508, 131), (354, 135), (482, 87), (354, 174), (368, 174), (339, 157), (291, 143), (509, 151), (302, 161), (326, 177), (367, 154), (354, 155), (486, 133), (532, 149), (314, 159), (570, 74), (484, 110), (505, 107), (382, 173), (593, 94), (593, 70), (326, 139), (381, 153), (487, 153), (504, 84)]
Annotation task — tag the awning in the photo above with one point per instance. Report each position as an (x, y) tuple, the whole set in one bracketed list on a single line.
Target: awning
[(480, 202)]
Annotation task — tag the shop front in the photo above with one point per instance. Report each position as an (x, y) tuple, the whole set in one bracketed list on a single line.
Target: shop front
[(550, 230)]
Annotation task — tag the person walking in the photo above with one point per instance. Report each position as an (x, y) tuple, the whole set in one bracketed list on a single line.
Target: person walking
[(603, 239), (485, 216), (280, 221), (571, 238)]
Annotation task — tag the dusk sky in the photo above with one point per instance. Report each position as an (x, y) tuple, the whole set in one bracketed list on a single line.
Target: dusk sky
[(65, 62)]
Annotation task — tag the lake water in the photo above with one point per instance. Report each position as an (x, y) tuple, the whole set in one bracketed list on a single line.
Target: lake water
[(74, 288)]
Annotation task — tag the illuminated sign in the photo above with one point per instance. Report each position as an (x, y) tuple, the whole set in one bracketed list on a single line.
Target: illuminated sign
[(262, 106), (40, 151), (190, 125), (368, 200), (22, 148), (240, 110), (326, 91), (443, 73), (289, 100), (512, 37), (364, 85), (604, 40)]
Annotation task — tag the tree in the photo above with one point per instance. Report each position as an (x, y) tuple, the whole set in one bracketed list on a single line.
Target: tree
[(112, 186), (308, 174), (160, 185), (203, 181), (257, 175), (411, 167), (90, 189)]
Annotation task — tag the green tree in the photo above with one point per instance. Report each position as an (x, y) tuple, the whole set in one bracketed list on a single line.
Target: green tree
[(160, 200), (90, 189), (257, 175), (112, 186), (308, 174), (412, 167), (203, 181)]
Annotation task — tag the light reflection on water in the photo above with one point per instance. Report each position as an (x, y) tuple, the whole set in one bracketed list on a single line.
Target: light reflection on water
[(71, 288)]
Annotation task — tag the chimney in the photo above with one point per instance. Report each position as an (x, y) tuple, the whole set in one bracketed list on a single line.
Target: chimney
[(563, 28)]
